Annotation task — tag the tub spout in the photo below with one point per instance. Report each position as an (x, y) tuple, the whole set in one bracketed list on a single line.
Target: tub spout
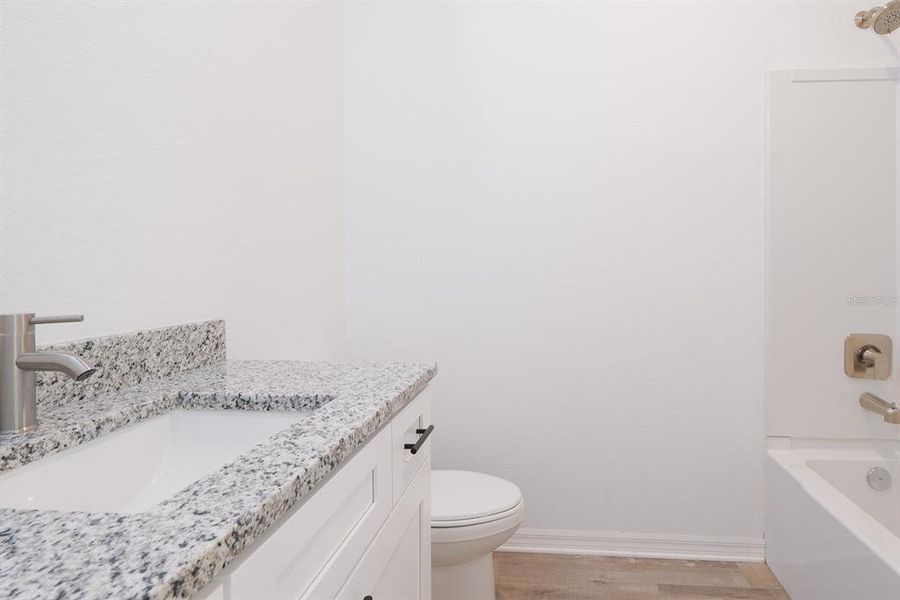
[(888, 410)]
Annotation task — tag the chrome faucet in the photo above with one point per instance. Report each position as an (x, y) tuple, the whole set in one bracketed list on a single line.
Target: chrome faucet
[(889, 410), (19, 360)]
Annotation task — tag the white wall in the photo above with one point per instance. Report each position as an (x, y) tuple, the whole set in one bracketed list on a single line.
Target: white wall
[(163, 162), (563, 205)]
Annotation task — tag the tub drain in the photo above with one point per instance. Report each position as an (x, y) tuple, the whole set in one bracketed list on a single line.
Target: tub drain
[(878, 478)]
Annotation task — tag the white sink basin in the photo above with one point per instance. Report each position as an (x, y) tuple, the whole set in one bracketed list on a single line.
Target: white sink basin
[(134, 469)]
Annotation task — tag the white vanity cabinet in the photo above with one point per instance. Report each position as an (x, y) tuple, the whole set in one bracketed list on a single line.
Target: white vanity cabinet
[(365, 532)]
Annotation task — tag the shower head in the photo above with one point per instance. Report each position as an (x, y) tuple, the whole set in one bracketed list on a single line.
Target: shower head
[(883, 19), (888, 19)]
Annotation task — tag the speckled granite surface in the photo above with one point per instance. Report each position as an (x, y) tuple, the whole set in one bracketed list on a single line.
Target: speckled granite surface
[(131, 358), (177, 547)]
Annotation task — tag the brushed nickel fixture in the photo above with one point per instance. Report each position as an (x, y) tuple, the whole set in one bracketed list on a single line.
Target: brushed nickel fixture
[(882, 19), (888, 410), (19, 361), (868, 356)]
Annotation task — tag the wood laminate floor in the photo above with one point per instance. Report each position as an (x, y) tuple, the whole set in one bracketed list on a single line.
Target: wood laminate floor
[(521, 576)]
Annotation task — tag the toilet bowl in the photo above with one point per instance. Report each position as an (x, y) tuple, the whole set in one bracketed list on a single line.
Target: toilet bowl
[(472, 514)]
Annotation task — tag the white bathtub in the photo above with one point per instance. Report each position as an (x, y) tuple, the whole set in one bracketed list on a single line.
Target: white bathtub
[(829, 535)]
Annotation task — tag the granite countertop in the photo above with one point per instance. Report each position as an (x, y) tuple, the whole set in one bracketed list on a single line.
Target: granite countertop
[(180, 545)]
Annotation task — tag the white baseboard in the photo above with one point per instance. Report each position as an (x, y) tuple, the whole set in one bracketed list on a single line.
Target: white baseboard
[(639, 545)]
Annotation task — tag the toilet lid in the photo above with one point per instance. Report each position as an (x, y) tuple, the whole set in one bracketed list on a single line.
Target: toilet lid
[(465, 495)]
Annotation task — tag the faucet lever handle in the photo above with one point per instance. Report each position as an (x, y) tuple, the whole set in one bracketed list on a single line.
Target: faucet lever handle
[(56, 319)]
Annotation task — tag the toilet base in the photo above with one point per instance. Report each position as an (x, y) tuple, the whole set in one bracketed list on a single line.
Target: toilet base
[(473, 580)]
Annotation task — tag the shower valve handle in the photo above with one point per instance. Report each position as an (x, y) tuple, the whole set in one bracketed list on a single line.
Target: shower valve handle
[(868, 356)]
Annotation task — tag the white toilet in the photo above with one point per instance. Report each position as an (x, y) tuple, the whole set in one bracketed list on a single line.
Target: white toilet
[(472, 514)]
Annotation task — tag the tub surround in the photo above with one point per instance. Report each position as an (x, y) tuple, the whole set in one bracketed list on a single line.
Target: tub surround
[(177, 547)]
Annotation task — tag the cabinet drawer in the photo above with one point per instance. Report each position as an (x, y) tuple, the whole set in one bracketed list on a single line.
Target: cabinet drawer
[(323, 538), (405, 429)]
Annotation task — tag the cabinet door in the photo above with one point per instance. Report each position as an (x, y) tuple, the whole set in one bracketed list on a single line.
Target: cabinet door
[(397, 566), (314, 547), (400, 579)]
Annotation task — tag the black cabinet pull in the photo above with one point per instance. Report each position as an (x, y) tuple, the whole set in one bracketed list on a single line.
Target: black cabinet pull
[(367, 598), (423, 435)]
